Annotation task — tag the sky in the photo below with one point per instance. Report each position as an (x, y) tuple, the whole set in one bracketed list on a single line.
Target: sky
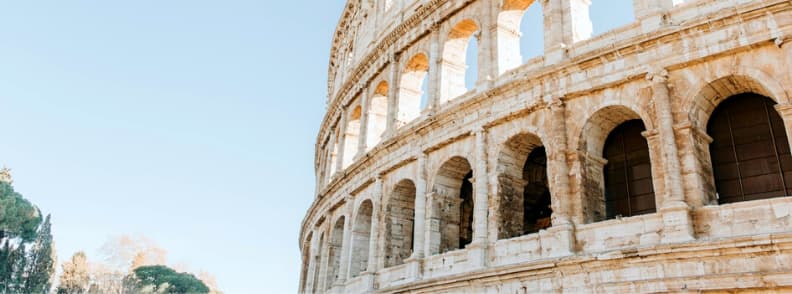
[(190, 122)]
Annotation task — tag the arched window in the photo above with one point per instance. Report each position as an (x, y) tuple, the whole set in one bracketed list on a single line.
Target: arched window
[(455, 66), (412, 89), (334, 253), (750, 152), (523, 191), (628, 172), (377, 115), (452, 206), (361, 236), (351, 137), (400, 223), (520, 33)]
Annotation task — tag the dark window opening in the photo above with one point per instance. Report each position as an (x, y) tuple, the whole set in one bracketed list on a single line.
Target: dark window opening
[(628, 173), (536, 195), (750, 152), (466, 211)]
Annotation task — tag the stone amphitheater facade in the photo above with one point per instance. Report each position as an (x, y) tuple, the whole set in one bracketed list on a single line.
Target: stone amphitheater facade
[(651, 158)]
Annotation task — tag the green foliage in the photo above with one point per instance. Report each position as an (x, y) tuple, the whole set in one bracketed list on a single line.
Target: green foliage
[(18, 217), (162, 279), (41, 262)]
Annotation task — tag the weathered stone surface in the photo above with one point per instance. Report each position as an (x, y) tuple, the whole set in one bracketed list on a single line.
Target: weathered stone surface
[(435, 198)]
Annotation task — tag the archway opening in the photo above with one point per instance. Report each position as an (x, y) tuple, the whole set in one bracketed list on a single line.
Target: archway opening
[(454, 65), (615, 166), (628, 173), (452, 206), (750, 150), (351, 137), (523, 190), (520, 33), (377, 115), (400, 223), (334, 253), (361, 237), (412, 88)]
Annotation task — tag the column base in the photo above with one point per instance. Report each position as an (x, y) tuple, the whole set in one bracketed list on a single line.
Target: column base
[(368, 279), (559, 240), (677, 223), (477, 254), (414, 266), (555, 54)]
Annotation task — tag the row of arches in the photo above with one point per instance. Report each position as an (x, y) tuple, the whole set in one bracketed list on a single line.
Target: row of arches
[(749, 154), (520, 37)]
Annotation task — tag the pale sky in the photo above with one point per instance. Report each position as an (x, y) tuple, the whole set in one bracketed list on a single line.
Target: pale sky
[(190, 122)]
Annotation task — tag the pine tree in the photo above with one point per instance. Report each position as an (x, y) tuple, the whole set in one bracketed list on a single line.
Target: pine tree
[(42, 262), (76, 276)]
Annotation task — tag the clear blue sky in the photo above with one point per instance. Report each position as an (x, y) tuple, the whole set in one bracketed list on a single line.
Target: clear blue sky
[(191, 122)]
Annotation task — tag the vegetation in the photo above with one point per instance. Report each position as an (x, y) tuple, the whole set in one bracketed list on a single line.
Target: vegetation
[(162, 279)]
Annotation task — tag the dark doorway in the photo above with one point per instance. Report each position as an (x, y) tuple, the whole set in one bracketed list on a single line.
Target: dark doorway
[(750, 152), (628, 173), (466, 211), (536, 195)]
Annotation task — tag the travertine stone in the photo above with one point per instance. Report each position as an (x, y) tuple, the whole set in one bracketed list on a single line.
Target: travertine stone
[(402, 190)]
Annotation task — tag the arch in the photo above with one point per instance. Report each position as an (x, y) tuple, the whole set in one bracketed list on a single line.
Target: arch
[(523, 191), (706, 94), (516, 33), (628, 173), (452, 206), (377, 114), (351, 136), (591, 144), (454, 64), (411, 88), (400, 223), (361, 237), (750, 150), (334, 252)]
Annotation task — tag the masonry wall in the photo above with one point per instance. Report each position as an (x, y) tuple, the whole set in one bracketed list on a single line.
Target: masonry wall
[(670, 68)]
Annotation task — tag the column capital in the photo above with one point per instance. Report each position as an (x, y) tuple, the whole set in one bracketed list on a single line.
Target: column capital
[(657, 75)]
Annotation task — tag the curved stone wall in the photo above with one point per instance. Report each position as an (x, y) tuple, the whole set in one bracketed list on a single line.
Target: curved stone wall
[(439, 196)]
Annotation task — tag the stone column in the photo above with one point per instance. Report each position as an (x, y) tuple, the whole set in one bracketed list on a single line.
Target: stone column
[(678, 226), (565, 23), (373, 265), (785, 111), (488, 44), (329, 170), (312, 266), (435, 69), (419, 223), (477, 250), (365, 105), (346, 248), (341, 142), (368, 276), (393, 93), (563, 229)]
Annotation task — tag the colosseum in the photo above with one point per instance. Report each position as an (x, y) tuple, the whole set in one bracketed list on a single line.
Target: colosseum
[(653, 157)]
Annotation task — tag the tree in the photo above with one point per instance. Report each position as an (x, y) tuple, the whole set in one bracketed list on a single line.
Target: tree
[(76, 276), (162, 279), (41, 262), (18, 217)]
